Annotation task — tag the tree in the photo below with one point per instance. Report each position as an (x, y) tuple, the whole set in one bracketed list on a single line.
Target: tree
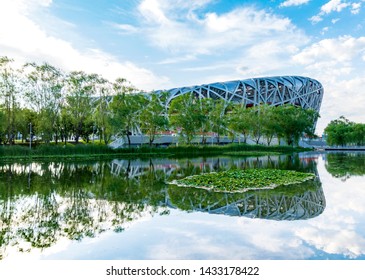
[(153, 116), (216, 117), (358, 134), (43, 92), (344, 132), (270, 122), (293, 121), (2, 125), (9, 82), (125, 107), (25, 117), (79, 87), (257, 115), (239, 120), (102, 116), (206, 105), (185, 114)]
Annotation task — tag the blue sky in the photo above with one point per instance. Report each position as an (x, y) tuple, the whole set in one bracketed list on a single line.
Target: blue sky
[(160, 44)]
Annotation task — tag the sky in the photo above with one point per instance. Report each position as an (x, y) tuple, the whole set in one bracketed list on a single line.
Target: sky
[(161, 44)]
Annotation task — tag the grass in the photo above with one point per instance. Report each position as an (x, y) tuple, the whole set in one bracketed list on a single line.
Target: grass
[(239, 180), (97, 151)]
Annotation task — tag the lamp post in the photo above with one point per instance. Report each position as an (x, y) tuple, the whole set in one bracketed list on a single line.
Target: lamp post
[(30, 135)]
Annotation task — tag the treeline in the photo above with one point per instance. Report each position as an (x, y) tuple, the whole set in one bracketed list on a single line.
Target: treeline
[(342, 132), (54, 106)]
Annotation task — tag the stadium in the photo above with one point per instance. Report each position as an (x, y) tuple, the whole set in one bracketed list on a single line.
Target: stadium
[(274, 91), (297, 90)]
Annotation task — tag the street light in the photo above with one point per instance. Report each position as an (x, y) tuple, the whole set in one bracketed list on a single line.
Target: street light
[(30, 135)]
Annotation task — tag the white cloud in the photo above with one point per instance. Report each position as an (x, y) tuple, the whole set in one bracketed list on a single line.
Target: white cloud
[(315, 19), (355, 8), (289, 3), (341, 49), (334, 6), (24, 40), (183, 32), (126, 28), (336, 63), (335, 20), (324, 30)]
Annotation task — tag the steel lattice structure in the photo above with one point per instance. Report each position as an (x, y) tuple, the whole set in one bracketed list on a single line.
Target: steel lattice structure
[(297, 90)]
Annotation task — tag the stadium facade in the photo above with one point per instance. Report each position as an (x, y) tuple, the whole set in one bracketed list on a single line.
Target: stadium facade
[(297, 90)]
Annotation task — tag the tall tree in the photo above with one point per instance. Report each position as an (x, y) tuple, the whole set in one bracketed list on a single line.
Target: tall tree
[(185, 114), (102, 115), (294, 121), (125, 107), (339, 131), (43, 92), (217, 118), (79, 87), (9, 82), (239, 120), (153, 116)]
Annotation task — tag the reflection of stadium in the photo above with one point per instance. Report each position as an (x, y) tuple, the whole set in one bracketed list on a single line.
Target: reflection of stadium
[(305, 203), (296, 90)]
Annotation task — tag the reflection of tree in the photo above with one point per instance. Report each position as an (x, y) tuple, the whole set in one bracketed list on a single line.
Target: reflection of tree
[(71, 200), (294, 202), (345, 165), (44, 202)]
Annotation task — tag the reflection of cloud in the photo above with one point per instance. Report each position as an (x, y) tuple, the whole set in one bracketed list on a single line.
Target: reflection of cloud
[(337, 230)]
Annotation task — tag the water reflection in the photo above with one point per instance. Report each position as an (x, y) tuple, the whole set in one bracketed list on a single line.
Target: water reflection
[(301, 201), (41, 203), (344, 165)]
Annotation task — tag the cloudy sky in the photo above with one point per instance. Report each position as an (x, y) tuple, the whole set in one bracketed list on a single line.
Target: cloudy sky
[(160, 44)]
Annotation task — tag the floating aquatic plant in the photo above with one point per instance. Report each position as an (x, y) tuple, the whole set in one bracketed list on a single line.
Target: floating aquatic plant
[(240, 180)]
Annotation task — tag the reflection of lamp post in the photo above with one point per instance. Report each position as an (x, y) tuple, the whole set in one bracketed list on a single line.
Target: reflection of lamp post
[(30, 135), (62, 135), (93, 132)]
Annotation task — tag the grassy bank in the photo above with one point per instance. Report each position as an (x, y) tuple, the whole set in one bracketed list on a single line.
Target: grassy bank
[(81, 151)]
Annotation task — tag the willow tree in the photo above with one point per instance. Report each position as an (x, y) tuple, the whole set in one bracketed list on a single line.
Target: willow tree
[(43, 91), (102, 113), (79, 87), (239, 120), (217, 119), (9, 82), (153, 116), (125, 108), (185, 115), (293, 122)]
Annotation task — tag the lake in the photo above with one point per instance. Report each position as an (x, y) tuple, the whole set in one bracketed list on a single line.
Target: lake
[(124, 209)]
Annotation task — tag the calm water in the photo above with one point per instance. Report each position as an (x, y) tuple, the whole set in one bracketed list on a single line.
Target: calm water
[(123, 209)]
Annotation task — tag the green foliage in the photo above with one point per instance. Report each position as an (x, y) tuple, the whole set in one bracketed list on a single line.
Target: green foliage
[(292, 122), (153, 117), (9, 90), (79, 107), (125, 109), (241, 180), (239, 120), (218, 123), (187, 116), (342, 132), (43, 87)]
